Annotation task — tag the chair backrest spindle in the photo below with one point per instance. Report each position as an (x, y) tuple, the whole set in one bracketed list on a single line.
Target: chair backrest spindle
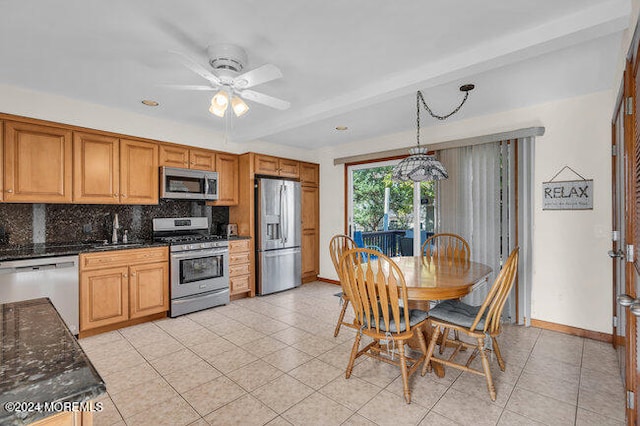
[(446, 246)]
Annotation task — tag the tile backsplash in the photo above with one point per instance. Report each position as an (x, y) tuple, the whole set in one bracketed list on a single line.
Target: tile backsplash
[(38, 223)]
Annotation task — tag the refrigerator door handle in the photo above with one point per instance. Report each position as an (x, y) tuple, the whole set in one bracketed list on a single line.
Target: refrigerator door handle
[(281, 214), (285, 220)]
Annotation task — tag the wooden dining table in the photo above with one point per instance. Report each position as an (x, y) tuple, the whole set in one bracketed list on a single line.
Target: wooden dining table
[(439, 279)]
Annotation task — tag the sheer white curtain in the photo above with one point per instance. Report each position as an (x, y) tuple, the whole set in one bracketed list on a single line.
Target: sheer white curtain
[(471, 203)]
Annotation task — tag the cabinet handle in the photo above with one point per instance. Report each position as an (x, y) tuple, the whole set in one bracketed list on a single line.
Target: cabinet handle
[(133, 274), (115, 195), (124, 195), (193, 162), (124, 275), (9, 191)]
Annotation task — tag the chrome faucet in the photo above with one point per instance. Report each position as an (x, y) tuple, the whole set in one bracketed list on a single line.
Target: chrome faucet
[(116, 226)]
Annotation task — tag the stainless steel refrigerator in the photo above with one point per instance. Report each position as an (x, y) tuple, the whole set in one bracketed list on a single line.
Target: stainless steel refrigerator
[(278, 229)]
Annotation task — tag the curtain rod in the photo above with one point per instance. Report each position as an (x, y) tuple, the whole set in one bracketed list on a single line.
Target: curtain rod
[(457, 143)]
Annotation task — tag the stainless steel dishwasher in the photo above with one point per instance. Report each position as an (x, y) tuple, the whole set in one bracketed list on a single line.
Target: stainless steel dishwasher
[(52, 277)]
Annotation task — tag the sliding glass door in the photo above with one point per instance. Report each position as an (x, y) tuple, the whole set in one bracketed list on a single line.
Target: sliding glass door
[(385, 214)]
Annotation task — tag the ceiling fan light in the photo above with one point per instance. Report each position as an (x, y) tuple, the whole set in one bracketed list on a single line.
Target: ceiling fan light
[(239, 106), (220, 99), (218, 111)]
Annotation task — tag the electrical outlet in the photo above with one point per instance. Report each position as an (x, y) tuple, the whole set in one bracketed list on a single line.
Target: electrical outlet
[(86, 228)]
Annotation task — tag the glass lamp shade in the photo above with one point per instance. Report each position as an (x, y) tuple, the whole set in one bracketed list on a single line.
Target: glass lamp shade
[(419, 167), (238, 105)]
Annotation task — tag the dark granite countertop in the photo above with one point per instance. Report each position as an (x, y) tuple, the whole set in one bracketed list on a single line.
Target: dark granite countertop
[(41, 361), (32, 251)]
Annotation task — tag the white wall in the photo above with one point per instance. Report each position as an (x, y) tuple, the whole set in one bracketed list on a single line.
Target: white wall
[(45, 106), (571, 271)]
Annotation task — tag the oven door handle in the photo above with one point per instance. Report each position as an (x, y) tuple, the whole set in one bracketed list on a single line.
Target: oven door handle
[(198, 253)]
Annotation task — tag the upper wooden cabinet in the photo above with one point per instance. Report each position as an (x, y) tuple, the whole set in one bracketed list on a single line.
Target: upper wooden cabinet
[(138, 172), (187, 158), (37, 163), (96, 165), (274, 166), (309, 174), (1, 160), (227, 168)]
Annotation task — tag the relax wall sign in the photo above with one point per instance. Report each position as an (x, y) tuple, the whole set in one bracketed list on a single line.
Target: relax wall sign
[(568, 195)]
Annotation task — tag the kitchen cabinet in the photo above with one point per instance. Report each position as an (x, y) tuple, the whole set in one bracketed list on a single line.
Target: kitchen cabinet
[(123, 287), (227, 168), (96, 168), (1, 160), (67, 418), (187, 158), (310, 232), (274, 166), (138, 172), (309, 174), (240, 277), (37, 163)]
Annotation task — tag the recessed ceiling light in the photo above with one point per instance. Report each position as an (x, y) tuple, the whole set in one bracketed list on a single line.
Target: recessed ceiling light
[(150, 103), (342, 128)]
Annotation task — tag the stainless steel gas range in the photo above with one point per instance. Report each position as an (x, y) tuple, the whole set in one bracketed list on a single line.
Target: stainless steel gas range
[(199, 264)]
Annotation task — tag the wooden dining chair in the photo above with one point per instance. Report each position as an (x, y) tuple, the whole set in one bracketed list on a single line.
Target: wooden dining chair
[(448, 247), (377, 288), (337, 246), (476, 322)]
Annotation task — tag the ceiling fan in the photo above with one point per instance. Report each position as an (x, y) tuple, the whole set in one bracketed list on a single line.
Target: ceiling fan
[(229, 79)]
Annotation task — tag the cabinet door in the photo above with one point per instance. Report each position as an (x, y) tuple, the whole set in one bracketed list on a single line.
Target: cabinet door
[(174, 156), (96, 169), (148, 289), (309, 255), (309, 207), (266, 165), (1, 161), (227, 168), (309, 173), (138, 172), (201, 159), (239, 284), (104, 297), (288, 168), (37, 163)]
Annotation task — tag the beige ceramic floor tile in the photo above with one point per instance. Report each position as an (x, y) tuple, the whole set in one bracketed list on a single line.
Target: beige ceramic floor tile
[(541, 408), (160, 349), (244, 411), (176, 361), (339, 355), (178, 326), (263, 347), (509, 418), (243, 335), (377, 372), (589, 418), (109, 414), (315, 373), (548, 386), (475, 385), (191, 377), (210, 349), (278, 421), (287, 359), (173, 412), (358, 420), (282, 393), (119, 362), (213, 395), (552, 368), (143, 397), (314, 346), (387, 408), (199, 422), (424, 391), (89, 343), (114, 347), (291, 335), (317, 410), (130, 377), (608, 404), (196, 337), (353, 393), (254, 375), (232, 360), (476, 411), (435, 419)]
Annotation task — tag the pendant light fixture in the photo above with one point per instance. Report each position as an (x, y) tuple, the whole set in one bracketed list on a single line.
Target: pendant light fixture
[(220, 103), (419, 166)]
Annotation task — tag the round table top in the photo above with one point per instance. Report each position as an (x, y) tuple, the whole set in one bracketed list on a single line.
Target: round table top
[(440, 279)]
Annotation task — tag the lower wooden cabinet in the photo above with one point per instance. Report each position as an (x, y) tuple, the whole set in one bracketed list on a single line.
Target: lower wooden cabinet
[(240, 277), (67, 418), (117, 287)]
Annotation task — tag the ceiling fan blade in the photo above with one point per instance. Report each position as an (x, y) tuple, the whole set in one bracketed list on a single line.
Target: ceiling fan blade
[(257, 76), (188, 87), (194, 66), (263, 99)]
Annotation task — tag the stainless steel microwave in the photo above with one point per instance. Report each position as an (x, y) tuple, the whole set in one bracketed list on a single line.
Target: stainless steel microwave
[(187, 184)]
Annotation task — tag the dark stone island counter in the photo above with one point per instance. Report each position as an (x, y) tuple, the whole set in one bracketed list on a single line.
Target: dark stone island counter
[(41, 361)]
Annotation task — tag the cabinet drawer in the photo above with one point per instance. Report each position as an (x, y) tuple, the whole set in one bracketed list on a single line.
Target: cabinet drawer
[(123, 257), (239, 284), (238, 258), (236, 246), (235, 270)]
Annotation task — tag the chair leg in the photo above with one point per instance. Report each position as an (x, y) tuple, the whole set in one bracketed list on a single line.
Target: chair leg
[(423, 348), (432, 346), (443, 342), (341, 317), (487, 369), (354, 353), (405, 374), (496, 350)]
